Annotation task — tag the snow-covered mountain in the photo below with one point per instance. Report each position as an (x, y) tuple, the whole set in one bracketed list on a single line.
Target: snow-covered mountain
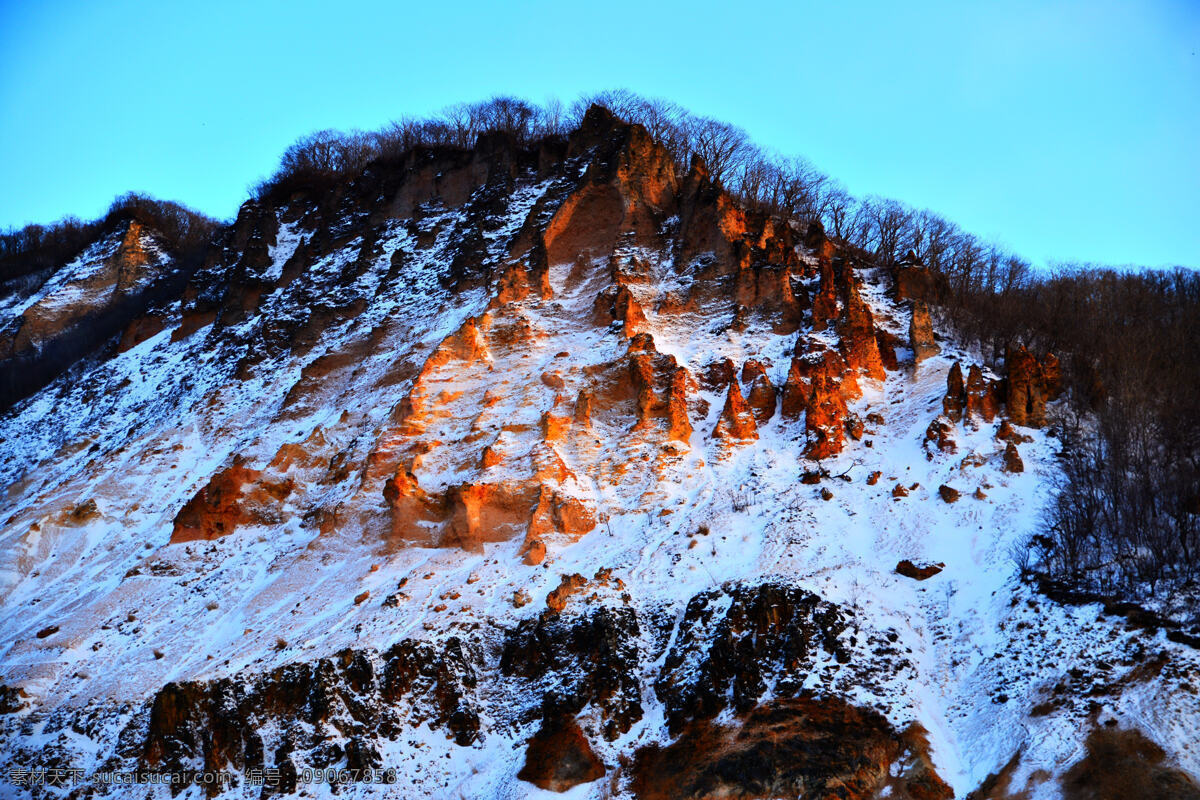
[(516, 471)]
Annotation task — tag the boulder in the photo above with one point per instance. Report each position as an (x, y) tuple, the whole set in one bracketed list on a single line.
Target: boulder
[(948, 493), (559, 756), (920, 571), (939, 436), (1012, 459)]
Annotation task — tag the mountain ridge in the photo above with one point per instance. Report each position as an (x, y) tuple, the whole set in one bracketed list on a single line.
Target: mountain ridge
[(389, 431)]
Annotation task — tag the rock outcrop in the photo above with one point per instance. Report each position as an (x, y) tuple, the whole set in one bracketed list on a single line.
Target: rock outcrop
[(1027, 387), (920, 333), (820, 384), (982, 395), (762, 635), (956, 394), (975, 400), (825, 420), (567, 663), (763, 397), (105, 290), (1031, 384), (736, 423), (801, 747), (221, 725), (912, 280), (859, 341), (234, 496)]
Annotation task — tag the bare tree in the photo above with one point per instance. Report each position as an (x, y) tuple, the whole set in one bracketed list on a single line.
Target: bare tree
[(839, 211), (887, 220), (724, 147)]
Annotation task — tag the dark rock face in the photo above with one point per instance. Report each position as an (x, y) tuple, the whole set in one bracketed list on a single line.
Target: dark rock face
[(727, 656), (219, 724), (565, 679), (572, 661)]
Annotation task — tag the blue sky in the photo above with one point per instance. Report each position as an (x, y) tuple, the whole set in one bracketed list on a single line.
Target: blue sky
[(1063, 130)]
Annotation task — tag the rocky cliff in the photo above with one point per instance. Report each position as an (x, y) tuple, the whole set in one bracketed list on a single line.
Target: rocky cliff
[(522, 469), (84, 308)]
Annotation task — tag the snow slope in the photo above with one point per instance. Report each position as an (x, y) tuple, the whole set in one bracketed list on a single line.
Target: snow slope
[(967, 654)]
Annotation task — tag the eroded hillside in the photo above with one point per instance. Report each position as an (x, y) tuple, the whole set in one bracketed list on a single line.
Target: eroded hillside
[(546, 469)]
